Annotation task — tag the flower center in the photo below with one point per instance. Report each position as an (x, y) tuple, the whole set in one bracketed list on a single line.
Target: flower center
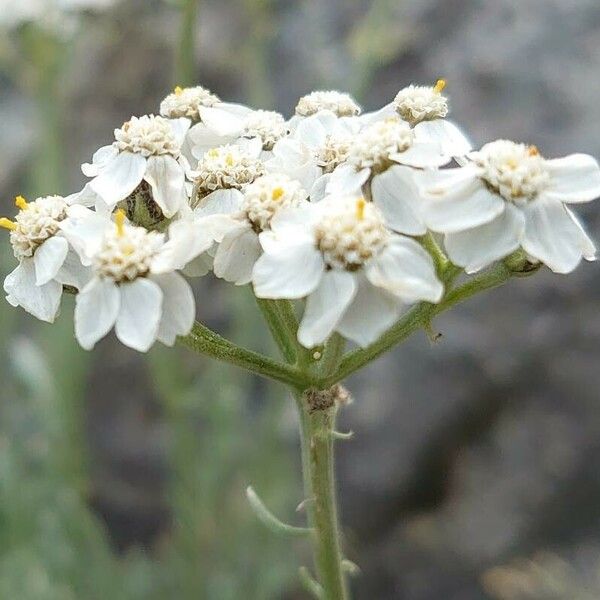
[(350, 234), (333, 153), (343, 105), (267, 125), (417, 103), (515, 171), (187, 102), (148, 135), (126, 251), (375, 146), (225, 167), (269, 194), (34, 224)]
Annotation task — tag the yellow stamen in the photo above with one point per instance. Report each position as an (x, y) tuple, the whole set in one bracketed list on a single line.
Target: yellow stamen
[(533, 151), (213, 153), (178, 90), (229, 160), (7, 224), (360, 208), (120, 222), (21, 202), (439, 86), (277, 193)]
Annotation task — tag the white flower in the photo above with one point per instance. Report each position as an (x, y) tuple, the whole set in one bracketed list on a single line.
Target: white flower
[(46, 261), (320, 143), (425, 109), (355, 273), (212, 122), (508, 196), (135, 286), (385, 155), (266, 125), (339, 103), (236, 229), (221, 173), (146, 149)]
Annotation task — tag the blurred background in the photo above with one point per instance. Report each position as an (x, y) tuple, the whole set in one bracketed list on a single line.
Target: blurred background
[(475, 469)]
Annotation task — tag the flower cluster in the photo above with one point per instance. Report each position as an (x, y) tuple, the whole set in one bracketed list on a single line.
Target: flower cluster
[(350, 212)]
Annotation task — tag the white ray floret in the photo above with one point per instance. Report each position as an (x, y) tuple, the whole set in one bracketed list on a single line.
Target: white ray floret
[(355, 273), (46, 261), (135, 286), (384, 156), (146, 148), (237, 230), (425, 109), (507, 197)]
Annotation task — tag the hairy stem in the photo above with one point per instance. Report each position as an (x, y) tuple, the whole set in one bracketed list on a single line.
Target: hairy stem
[(205, 341), (316, 431), (283, 325)]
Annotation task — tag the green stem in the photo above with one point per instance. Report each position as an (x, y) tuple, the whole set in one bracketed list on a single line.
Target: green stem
[(416, 318), (205, 341), (316, 431), (185, 68), (282, 324)]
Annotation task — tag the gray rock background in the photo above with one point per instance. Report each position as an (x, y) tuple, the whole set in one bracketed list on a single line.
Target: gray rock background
[(469, 452)]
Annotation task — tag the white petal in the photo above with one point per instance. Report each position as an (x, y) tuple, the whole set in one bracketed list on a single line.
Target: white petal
[(396, 195), (222, 122), (477, 248), (552, 236), (295, 222), (450, 138), (167, 180), (202, 139), (575, 178), (42, 301), (588, 248), (313, 130), (345, 181), (84, 230), (422, 155), (407, 270), (187, 240), (119, 177), (237, 255), (72, 272), (49, 258), (455, 200), (96, 310), (179, 128), (372, 312), (290, 271), (178, 309), (318, 190), (220, 202), (99, 160), (140, 314), (325, 307), (389, 110)]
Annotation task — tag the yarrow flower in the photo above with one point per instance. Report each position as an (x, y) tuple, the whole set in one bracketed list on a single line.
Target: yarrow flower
[(339, 103), (507, 197), (134, 285), (237, 229), (425, 109), (146, 149), (355, 273), (220, 175), (46, 262)]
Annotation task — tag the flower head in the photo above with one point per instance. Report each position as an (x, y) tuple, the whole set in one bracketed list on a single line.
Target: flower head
[(506, 197), (267, 125), (334, 151), (342, 105), (227, 167), (187, 102), (355, 273), (417, 103), (148, 135)]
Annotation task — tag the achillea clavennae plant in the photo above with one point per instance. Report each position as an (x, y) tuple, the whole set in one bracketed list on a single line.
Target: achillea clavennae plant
[(348, 226)]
